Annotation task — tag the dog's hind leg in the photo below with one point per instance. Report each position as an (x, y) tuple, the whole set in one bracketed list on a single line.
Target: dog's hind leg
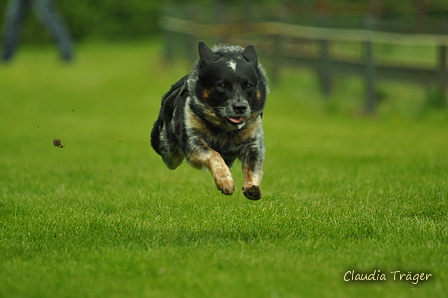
[(171, 154), (172, 157)]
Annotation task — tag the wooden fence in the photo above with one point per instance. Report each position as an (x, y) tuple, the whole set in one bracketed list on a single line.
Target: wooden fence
[(284, 43)]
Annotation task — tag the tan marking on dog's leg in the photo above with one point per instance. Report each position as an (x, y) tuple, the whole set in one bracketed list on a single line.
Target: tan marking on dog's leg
[(213, 161), (221, 174), (252, 179)]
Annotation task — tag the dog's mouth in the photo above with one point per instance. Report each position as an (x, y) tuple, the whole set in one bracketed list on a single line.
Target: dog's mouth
[(236, 120)]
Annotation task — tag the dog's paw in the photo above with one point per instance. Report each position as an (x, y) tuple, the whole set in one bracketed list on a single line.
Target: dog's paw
[(252, 193), (225, 185)]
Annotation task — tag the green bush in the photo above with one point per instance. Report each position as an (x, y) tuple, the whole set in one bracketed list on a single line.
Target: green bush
[(111, 19), (107, 19)]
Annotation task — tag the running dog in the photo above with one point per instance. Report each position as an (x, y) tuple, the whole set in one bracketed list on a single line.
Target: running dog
[(212, 116)]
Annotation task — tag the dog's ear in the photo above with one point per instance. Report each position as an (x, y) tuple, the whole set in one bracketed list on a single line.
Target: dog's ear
[(250, 54), (205, 53)]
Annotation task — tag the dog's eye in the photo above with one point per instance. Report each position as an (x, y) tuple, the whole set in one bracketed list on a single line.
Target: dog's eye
[(222, 86), (249, 86)]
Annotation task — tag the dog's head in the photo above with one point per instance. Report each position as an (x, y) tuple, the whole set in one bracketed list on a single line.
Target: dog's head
[(229, 85)]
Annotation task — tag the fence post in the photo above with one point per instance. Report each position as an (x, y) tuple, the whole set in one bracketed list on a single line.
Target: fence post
[(369, 60), (324, 66), (371, 102), (276, 58), (441, 100), (221, 16), (191, 39)]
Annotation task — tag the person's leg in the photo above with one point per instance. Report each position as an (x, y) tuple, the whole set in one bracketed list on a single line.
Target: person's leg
[(14, 18), (50, 18)]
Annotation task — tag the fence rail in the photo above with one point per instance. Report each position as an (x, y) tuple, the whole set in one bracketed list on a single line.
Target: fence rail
[(298, 31), (283, 42)]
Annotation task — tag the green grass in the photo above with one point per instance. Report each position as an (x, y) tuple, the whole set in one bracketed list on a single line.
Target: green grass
[(103, 217)]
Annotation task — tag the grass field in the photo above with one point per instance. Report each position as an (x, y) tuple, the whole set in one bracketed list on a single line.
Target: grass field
[(103, 216)]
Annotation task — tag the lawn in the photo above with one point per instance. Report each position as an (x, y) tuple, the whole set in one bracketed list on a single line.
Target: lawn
[(103, 216)]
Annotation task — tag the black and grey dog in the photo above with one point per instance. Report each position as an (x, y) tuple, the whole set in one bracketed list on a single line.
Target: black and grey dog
[(213, 116)]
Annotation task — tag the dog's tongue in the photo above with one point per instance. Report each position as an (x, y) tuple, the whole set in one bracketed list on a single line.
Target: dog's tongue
[(236, 120)]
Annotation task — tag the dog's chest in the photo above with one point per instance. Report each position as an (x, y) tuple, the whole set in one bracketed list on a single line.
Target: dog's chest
[(228, 141)]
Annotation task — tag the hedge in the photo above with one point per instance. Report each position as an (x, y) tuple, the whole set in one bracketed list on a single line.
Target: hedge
[(107, 19)]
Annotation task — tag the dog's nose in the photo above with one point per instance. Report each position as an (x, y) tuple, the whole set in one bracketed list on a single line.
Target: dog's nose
[(240, 108)]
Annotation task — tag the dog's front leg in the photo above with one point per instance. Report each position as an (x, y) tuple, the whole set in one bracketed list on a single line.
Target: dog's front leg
[(253, 172), (203, 157)]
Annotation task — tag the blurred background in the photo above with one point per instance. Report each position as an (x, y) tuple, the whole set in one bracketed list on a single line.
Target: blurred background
[(381, 47), (356, 150)]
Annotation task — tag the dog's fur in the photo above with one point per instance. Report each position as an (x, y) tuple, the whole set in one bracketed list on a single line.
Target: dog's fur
[(213, 116)]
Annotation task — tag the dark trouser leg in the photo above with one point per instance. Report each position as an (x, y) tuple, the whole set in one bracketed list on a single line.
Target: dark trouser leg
[(50, 18), (14, 18)]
